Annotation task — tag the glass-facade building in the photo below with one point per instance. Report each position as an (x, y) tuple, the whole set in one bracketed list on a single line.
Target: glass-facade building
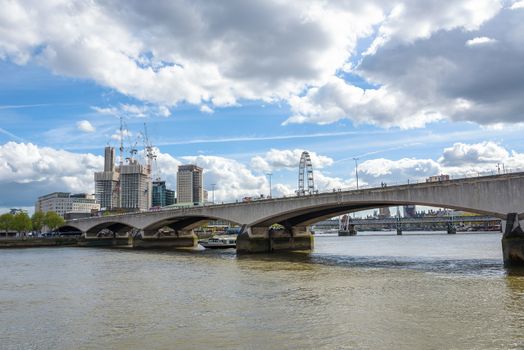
[(162, 196)]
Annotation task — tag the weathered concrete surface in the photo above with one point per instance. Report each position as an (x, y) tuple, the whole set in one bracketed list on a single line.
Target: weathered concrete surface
[(264, 240), (513, 242), (119, 242), (38, 242), (490, 195), (164, 242), (494, 196), (513, 251)]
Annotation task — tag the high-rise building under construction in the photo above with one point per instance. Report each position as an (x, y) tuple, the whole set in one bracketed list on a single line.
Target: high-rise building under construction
[(127, 186), (189, 188), (135, 186), (106, 182)]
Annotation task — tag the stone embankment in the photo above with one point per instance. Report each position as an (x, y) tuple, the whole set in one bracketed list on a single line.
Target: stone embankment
[(37, 242)]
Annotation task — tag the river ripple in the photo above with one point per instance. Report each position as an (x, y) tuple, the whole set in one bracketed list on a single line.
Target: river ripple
[(364, 292)]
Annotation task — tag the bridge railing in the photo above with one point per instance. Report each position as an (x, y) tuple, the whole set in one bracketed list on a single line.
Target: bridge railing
[(414, 181)]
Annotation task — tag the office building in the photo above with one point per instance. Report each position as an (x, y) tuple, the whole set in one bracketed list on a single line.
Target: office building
[(64, 202), (106, 182), (410, 211), (189, 184), (135, 186), (170, 197), (384, 212), (158, 198), (162, 196), (14, 211)]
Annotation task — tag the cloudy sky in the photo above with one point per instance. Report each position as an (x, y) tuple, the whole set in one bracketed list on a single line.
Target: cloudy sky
[(241, 88)]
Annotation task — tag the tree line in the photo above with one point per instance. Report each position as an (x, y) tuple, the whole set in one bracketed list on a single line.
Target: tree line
[(21, 222)]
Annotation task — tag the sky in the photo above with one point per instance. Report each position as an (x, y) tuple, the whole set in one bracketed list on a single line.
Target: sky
[(410, 88)]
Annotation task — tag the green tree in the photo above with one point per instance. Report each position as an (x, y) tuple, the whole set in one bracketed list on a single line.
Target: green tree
[(52, 220), (6, 222), (22, 222), (38, 220)]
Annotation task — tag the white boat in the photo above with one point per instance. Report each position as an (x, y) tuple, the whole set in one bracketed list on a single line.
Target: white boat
[(220, 242)]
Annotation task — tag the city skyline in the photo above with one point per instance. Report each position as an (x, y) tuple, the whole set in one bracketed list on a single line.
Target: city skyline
[(410, 93)]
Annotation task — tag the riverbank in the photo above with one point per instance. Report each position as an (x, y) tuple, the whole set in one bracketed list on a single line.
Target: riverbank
[(38, 242)]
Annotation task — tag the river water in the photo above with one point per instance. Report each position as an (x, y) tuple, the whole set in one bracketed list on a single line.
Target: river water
[(416, 291)]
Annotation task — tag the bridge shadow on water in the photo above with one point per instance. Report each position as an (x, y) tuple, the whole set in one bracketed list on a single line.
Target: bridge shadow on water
[(301, 260), (475, 267)]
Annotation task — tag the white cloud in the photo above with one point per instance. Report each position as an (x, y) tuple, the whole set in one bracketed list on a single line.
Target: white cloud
[(383, 107), (479, 41), (206, 109), (232, 179), (85, 126), (461, 154), (106, 111), (134, 111), (517, 5), (276, 159), (164, 111), (325, 183), (408, 21), (393, 171), (117, 136), (175, 51), (28, 171), (458, 160), (214, 55)]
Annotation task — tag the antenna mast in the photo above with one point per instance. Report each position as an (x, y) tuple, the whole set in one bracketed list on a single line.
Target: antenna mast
[(121, 149)]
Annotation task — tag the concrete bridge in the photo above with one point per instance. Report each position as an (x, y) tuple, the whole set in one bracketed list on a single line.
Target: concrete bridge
[(500, 196), (332, 224)]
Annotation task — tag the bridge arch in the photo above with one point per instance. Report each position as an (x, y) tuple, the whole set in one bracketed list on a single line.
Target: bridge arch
[(311, 214), (116, 227), (184, 222), (69, 229)]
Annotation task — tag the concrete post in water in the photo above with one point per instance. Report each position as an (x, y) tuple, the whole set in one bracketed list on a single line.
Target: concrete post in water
[(254, 239), (154, 239), (399, 227), (257, 239), (513, 242)]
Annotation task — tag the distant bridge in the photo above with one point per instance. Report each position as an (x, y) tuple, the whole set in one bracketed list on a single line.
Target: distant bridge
[(499, 196), (414, 220)]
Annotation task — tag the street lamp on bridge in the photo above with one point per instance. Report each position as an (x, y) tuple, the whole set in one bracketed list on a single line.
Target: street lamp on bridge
[(269, 175), (213, 192), (356, 169)]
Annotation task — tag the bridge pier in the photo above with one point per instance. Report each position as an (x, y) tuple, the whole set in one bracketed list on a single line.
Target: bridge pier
[(90, 239), (399, 227), (258, 239), (157, 240), (451, 229), (513, 242)]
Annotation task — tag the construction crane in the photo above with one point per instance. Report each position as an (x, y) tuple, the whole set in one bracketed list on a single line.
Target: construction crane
[(121, 148), (150, 156)]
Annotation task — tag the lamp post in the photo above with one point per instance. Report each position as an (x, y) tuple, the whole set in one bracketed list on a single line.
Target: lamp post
[(356, 169), (213, 192), (269, 175)]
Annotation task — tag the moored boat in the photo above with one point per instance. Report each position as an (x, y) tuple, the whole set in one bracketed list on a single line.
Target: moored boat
[(219, 242)]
